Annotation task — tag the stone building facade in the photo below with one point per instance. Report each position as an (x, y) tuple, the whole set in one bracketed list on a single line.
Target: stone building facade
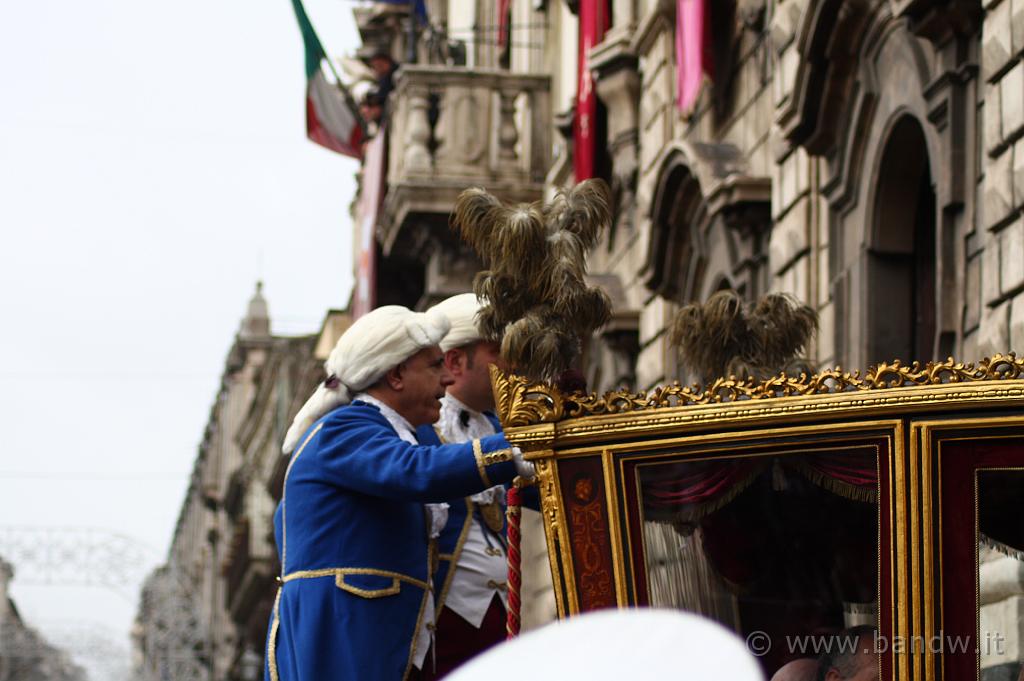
[(855, 154), (859, 154), (24, 653)]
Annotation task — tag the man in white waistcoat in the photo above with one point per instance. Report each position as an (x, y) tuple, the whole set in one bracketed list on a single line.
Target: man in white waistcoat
[(470, 580)]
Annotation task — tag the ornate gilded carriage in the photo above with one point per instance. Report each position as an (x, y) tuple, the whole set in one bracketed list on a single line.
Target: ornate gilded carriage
[(797, 507)]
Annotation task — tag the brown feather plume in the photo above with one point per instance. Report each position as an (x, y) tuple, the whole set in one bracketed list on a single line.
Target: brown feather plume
[(726, 337), (534, 293), (473, 218), (517, 235), (782, 327), (584, 210)]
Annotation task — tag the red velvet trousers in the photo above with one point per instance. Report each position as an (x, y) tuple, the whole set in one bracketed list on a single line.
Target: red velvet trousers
[(456, 641)]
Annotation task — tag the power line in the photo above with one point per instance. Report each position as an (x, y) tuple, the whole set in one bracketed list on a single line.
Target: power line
[(93, 476)]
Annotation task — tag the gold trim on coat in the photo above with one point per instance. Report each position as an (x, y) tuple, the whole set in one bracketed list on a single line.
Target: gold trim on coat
[(284, 488), (339, 579), (427, 593), (478, 452), (276, 624), (272, 639), (454, 556)]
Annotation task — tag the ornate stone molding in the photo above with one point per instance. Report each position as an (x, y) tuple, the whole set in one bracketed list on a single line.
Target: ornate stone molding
[(940, 21), (696, 183), (521, 403)]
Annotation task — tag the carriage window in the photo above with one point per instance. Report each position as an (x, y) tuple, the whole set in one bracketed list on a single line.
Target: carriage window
[(1000, 574), (784, 547)]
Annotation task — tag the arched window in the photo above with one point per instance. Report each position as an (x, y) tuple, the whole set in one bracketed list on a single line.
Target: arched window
[(901, 261), (708, 222)]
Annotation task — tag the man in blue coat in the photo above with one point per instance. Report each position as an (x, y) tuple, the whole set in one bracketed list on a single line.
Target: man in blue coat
[(353, 532), (470, 583)]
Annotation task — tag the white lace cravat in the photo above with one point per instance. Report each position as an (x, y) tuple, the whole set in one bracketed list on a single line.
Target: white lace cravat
[(459, 423)]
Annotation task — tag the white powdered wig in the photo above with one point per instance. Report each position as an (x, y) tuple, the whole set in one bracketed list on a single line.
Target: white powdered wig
[(461, 312), (375, 343)]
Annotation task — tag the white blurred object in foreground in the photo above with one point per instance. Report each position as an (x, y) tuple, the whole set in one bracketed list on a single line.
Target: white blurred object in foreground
[(635, 644)]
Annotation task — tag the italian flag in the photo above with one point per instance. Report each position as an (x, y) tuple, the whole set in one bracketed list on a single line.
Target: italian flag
[(332, 119)]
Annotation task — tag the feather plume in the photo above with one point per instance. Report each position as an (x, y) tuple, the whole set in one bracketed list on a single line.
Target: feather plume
[(584, 210), (518, 234), (473, 218), (590, 308), (725, 337), (783, 327), (534, 292), (541, 343), (506, 300)]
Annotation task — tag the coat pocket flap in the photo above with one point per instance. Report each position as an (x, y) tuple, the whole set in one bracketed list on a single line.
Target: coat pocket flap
[(368, 585)]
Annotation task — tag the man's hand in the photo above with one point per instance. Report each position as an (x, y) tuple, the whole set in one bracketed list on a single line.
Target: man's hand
[(524, 468)]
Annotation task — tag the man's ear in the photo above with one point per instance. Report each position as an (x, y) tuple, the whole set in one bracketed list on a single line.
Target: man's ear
[(396, 377), (453, 360)]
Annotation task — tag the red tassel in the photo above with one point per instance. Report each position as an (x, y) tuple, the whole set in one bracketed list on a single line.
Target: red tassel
[(514, 502)]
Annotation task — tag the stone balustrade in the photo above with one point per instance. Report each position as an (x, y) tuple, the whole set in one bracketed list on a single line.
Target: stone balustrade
[(453, 128)]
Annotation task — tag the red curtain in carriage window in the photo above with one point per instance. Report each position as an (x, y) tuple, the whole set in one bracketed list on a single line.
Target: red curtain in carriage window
[(699, 493), (695, 489), (851, 473)]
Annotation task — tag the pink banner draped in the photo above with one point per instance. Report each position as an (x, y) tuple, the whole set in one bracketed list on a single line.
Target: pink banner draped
[(693, 50)]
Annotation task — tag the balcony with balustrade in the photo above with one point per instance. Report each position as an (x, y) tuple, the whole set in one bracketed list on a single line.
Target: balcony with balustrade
[(452, 128)]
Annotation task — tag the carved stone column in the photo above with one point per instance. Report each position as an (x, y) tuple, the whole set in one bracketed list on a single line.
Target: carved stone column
[(617, 82), (417, 151), (508, 136)]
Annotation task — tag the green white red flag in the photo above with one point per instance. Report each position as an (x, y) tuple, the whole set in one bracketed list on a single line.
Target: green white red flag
[(332, 119)]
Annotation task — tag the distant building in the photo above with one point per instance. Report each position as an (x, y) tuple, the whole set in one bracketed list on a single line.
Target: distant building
[(24, 654), (203, 615)]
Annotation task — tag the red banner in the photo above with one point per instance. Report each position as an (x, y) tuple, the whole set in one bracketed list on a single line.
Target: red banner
[(593, 24), (364, 296)]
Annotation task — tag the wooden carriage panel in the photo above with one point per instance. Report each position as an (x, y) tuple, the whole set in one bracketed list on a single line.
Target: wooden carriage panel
[(584, 494)]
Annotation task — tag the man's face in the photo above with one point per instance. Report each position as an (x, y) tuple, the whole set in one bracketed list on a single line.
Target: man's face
[(867, 666), (424, 378), (381, 66), (470, 367)]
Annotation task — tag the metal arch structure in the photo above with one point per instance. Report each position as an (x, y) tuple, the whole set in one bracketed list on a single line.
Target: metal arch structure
[(169, 631), (173, 638), (77, 556)]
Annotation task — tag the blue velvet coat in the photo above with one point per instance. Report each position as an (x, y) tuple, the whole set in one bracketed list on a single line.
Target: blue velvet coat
[(353, 544)]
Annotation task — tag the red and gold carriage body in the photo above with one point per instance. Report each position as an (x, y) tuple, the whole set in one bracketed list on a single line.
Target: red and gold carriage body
[(796, 508)]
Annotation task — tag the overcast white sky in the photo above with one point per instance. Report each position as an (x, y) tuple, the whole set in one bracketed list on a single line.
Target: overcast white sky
[(153, 166)]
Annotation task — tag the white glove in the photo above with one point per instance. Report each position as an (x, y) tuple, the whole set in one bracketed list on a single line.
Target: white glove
[(524, 468)]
